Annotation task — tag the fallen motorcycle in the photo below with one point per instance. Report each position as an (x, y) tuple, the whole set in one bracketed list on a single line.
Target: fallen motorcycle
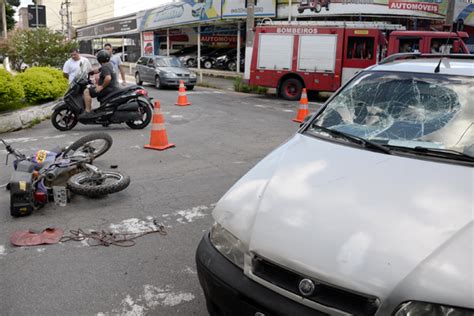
[(53, 175)]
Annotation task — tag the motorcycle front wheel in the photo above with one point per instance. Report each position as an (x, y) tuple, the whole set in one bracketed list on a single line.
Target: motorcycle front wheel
[(94, 144), (88, 184), (64, 119)]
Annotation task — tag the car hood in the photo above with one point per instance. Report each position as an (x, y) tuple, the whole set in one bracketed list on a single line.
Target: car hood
[(358, 219), (176, 70)]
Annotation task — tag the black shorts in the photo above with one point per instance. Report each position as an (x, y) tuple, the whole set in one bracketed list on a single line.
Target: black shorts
[(94, 93)]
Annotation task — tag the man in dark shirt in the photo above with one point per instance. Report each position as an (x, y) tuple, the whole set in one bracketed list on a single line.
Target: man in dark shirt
[(106, 85)]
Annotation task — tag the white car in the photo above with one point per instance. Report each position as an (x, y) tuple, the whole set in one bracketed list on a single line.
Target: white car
[(367, 210)]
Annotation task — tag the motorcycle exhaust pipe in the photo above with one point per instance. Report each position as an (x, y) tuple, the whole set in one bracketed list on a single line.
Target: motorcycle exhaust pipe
[(53, 174)]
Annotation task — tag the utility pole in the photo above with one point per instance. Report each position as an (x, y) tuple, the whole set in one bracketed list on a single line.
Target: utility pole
[(249, 37), (36, 9), (3, 8), (68, 20), (61, 13), (450, 13)]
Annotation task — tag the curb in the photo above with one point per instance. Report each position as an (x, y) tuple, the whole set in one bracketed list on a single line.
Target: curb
[(22, 118)]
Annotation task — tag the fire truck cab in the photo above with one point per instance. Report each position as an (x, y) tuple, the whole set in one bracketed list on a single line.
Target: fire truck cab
[(321, 56)]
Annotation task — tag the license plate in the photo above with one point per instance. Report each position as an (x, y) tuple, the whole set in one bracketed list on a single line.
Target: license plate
[(60, 195)]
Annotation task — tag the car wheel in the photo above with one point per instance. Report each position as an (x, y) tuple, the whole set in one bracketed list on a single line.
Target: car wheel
[(291, 89), (317, 8), (300, 10), (190, 63), (158, 84), (208, 64), (232, 66), (138, 79)]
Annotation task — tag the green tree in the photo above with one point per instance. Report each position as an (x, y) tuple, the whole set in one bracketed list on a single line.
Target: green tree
[(10, 13), (40, 47)]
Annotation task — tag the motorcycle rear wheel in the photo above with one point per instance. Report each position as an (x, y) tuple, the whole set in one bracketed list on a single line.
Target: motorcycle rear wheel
[(147, 114), (84, 183), (95, 144)]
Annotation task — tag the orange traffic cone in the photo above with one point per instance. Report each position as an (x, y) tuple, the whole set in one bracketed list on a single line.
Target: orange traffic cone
[(303, 110), (158, 137), (182, 98)]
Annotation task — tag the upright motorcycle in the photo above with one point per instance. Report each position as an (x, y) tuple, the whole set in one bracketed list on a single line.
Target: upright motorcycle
[(52, 175), (130, 105)]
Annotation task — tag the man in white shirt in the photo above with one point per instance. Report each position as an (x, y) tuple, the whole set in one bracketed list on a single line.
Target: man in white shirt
[(116, 62), (75, 64)]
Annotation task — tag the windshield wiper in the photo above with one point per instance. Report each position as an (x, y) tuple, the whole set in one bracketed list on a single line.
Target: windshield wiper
[(354, 139), (436, 152)]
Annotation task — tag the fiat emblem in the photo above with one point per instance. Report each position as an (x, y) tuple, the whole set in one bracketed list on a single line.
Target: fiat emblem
[(306, 287)]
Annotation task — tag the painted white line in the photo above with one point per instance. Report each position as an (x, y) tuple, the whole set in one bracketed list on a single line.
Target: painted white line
[(260, 106), (288, 111), (2, 250), (177, 116), (3, 185)]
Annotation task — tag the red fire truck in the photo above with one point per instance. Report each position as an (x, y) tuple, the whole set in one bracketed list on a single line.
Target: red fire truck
[(321, 56)]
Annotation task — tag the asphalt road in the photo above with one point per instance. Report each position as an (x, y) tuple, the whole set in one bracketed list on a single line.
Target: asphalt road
[(218, 139)]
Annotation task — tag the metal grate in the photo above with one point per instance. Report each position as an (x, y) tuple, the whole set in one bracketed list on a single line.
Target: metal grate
[(324, 294)]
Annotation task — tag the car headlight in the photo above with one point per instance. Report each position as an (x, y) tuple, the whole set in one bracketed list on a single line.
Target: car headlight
[(428, 309), (192, 75), (228, 245)]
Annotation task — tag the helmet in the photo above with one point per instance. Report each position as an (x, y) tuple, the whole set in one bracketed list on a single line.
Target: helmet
[(103, 56)]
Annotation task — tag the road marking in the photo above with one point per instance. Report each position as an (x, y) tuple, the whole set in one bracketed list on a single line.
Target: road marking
[(3, 185), (177, 116), (2, 250), (205, 92), (288, 111), (260, 106)]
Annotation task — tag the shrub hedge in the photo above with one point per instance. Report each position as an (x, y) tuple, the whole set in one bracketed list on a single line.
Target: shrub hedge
[(11, 91), (42, 84)]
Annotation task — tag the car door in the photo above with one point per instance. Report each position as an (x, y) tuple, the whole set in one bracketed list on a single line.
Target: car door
[(151, 70), (141, 67)]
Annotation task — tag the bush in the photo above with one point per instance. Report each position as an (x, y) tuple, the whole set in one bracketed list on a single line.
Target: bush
[(11, 92), (241, 86), (42, 84)]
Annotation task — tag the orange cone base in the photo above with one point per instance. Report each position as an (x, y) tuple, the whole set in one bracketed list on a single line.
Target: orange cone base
[(182, 104), (297, 121), (159, 147)]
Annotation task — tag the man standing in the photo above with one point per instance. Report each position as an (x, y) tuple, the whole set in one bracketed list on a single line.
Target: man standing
[(116, 62), (75, 64)]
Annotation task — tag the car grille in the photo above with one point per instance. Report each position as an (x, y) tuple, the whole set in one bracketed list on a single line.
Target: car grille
[(183, 75), (324, 294)]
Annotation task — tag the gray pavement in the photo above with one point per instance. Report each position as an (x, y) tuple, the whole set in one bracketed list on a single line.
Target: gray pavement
[(218, 139)]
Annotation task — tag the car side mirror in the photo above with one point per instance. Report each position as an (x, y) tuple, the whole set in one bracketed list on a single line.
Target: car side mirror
[(306, 119), (456, 47)]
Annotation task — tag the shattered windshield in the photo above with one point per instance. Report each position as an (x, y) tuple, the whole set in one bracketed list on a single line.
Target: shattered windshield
[(405, 110)]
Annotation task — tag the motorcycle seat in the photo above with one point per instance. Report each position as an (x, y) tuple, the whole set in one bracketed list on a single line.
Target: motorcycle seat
[(118, 92)]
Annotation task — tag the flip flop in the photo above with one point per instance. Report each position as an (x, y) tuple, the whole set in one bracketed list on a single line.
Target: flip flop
[(32, 238)]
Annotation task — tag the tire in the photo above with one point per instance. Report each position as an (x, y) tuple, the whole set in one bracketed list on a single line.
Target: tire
[(138, 79), (207, 64), (82, 184), (190, 63), (300, 11), (158, 84), (232, 66), (81, 142), (317, 8), (146, 110), (64, 119), (291, 89), (189, 88)]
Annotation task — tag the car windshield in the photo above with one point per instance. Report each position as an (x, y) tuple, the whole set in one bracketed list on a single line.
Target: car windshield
[(168, 62), (404, 110)]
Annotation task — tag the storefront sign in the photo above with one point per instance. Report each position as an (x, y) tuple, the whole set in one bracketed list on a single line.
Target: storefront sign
[(236, 8), (180, 12), (148, 43), (412, 8), (108, 28)]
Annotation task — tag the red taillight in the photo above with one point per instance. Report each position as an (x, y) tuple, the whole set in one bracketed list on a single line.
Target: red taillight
[(41, 197), (142, 92)]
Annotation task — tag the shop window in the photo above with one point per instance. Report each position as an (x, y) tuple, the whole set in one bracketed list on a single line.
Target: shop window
[(360, 47), (409, 45)]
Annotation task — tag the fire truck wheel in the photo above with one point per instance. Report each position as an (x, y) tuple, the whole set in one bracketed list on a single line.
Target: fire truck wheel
[(291, 89)]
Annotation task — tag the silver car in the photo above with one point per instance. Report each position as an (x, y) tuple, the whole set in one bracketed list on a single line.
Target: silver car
[(367, 210), (163, 71)]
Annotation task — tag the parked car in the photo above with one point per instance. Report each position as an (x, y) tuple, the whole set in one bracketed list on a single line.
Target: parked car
[(367, 210), (208, 60), (163, 71), (228, 61), (190, 58)]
